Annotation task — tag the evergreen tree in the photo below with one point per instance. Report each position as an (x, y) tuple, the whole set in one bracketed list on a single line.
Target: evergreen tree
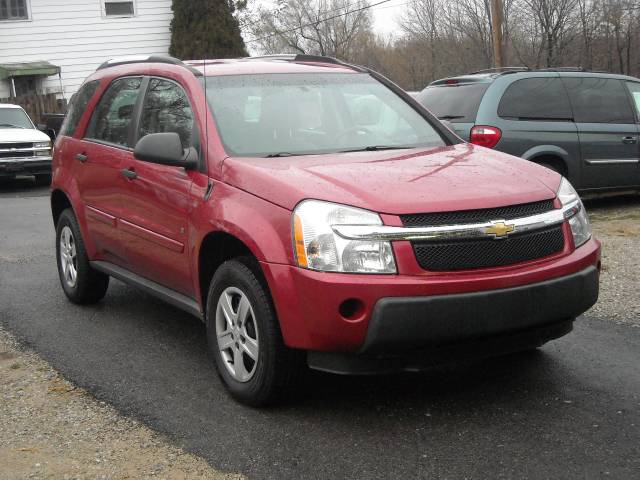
[(205, 29)]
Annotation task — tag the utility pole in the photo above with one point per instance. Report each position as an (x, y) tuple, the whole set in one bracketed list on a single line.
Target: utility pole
[(496, 30)]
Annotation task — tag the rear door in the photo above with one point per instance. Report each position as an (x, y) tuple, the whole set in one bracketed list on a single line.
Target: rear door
[(607, 130), (99, 156), (156, 198)]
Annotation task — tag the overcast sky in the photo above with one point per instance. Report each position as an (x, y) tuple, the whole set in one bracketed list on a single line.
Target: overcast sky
[(385, 16)]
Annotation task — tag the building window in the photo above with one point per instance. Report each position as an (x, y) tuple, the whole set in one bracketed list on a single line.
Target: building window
[(14, 10), (113, 8)]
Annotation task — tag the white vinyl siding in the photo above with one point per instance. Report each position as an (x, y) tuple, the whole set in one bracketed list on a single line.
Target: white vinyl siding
[(77, 36)]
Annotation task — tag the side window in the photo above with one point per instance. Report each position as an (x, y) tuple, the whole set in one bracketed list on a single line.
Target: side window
[(599, 100), (542, 98), (166, 109), (112, 116), (77, 106), (634, 88)]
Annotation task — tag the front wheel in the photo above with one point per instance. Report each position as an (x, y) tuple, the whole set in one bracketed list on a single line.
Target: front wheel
[(244, 336), (81, 283)]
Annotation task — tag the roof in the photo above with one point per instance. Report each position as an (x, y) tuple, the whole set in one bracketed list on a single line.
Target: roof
[(41, 68), (9, 105), (489, 75)]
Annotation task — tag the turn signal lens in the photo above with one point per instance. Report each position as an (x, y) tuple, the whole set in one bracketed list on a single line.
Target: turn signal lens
[(299, 241), (485, 136)]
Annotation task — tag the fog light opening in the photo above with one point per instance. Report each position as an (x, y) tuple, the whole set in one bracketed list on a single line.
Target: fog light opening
[(351, 309)]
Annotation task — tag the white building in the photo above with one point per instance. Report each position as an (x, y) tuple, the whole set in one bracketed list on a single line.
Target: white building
[(39, 38)]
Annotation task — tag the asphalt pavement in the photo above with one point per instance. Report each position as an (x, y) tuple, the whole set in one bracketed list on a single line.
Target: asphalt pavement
[(568, 410)]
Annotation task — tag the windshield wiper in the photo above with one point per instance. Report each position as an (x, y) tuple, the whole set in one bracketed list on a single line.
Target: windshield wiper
[(11, 125), (450, 117), (377, 148), (282, 154)]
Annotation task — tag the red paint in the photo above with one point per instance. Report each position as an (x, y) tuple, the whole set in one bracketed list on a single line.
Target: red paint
[(156, 224)]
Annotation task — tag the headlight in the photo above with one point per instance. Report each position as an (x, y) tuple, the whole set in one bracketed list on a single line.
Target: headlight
[(318, 247), (577, 216), (42, 145)]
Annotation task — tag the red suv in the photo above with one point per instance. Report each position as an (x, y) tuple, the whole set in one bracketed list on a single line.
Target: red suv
[(311, 212)]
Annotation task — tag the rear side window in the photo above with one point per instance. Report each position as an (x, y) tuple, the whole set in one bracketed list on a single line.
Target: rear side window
[(77, 106), (166, 109), (458, 104), (111, 120), (599, 100), (542, 98)]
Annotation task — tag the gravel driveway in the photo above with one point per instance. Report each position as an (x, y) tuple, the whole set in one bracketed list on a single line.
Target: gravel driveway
[(616, 223)]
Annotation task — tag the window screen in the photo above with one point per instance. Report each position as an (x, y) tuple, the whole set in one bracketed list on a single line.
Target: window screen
[(166, 109), (118, 9), (599, 100), (77, 106), (542, 98), (112, 117), (13, 10)]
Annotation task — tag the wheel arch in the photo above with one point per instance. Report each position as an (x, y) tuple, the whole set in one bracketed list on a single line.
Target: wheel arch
[(59, 203), (551, 155), (216, 248)]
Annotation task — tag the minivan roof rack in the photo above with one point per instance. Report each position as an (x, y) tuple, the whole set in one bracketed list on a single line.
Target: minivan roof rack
[(113, 62), (500, 70)]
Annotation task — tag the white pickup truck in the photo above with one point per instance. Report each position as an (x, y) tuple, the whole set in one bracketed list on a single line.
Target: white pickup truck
[(24, 150)]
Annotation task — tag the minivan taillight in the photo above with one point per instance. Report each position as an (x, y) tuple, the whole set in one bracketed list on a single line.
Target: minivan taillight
[(485, 136)]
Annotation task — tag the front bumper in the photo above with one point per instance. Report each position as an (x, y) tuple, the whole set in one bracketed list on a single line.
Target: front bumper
[(309, 303), (25, 166)]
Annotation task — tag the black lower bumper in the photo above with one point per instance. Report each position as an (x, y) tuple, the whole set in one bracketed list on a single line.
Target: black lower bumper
[(405, 333), (27, 167)]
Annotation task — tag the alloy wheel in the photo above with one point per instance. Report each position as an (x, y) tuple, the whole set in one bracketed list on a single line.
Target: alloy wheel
[(237, 334)]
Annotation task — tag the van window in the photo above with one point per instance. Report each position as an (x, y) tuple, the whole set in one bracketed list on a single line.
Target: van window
[(458, 104), (634, 88), (599, 100), (541, 98)]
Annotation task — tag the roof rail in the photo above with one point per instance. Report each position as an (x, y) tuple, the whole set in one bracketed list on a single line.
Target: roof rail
[(303, 57), (500, 70), (113, 62)]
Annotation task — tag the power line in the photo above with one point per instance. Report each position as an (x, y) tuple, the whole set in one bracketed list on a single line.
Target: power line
[(252, 40)]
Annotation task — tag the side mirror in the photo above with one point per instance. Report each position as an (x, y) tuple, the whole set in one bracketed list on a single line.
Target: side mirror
[(165, 149)]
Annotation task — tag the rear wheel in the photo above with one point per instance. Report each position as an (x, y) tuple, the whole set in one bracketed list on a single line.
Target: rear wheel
[(244, 336), (81, 283)]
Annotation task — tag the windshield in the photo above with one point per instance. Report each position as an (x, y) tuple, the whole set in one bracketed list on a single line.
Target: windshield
[(14, 118), (458, 104), (297, 114)]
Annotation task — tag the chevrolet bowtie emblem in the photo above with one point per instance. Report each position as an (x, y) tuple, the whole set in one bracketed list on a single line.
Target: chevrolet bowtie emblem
[(499, 229)]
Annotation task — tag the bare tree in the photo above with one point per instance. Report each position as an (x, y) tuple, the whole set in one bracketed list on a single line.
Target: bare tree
[(323, 27)]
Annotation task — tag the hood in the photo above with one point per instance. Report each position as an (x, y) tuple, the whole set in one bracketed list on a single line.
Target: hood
[(18, 135), (457, 177)]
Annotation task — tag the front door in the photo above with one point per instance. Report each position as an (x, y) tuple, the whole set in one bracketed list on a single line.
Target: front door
[(99, 157), (607, 130), (156, 201)]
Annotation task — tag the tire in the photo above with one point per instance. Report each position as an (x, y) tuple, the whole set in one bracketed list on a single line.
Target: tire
[(262, 378), (43, 179), (86, 285)]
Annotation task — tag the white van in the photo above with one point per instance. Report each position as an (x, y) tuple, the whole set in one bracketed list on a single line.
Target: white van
[(24, 150)]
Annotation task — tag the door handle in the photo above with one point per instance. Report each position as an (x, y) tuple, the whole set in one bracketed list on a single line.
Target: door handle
[(629, 139), (130, 174), (81, 157)]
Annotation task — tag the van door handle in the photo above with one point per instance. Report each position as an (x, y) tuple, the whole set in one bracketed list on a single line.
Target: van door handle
[(629, 139), (130, 174), (81, 157)]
